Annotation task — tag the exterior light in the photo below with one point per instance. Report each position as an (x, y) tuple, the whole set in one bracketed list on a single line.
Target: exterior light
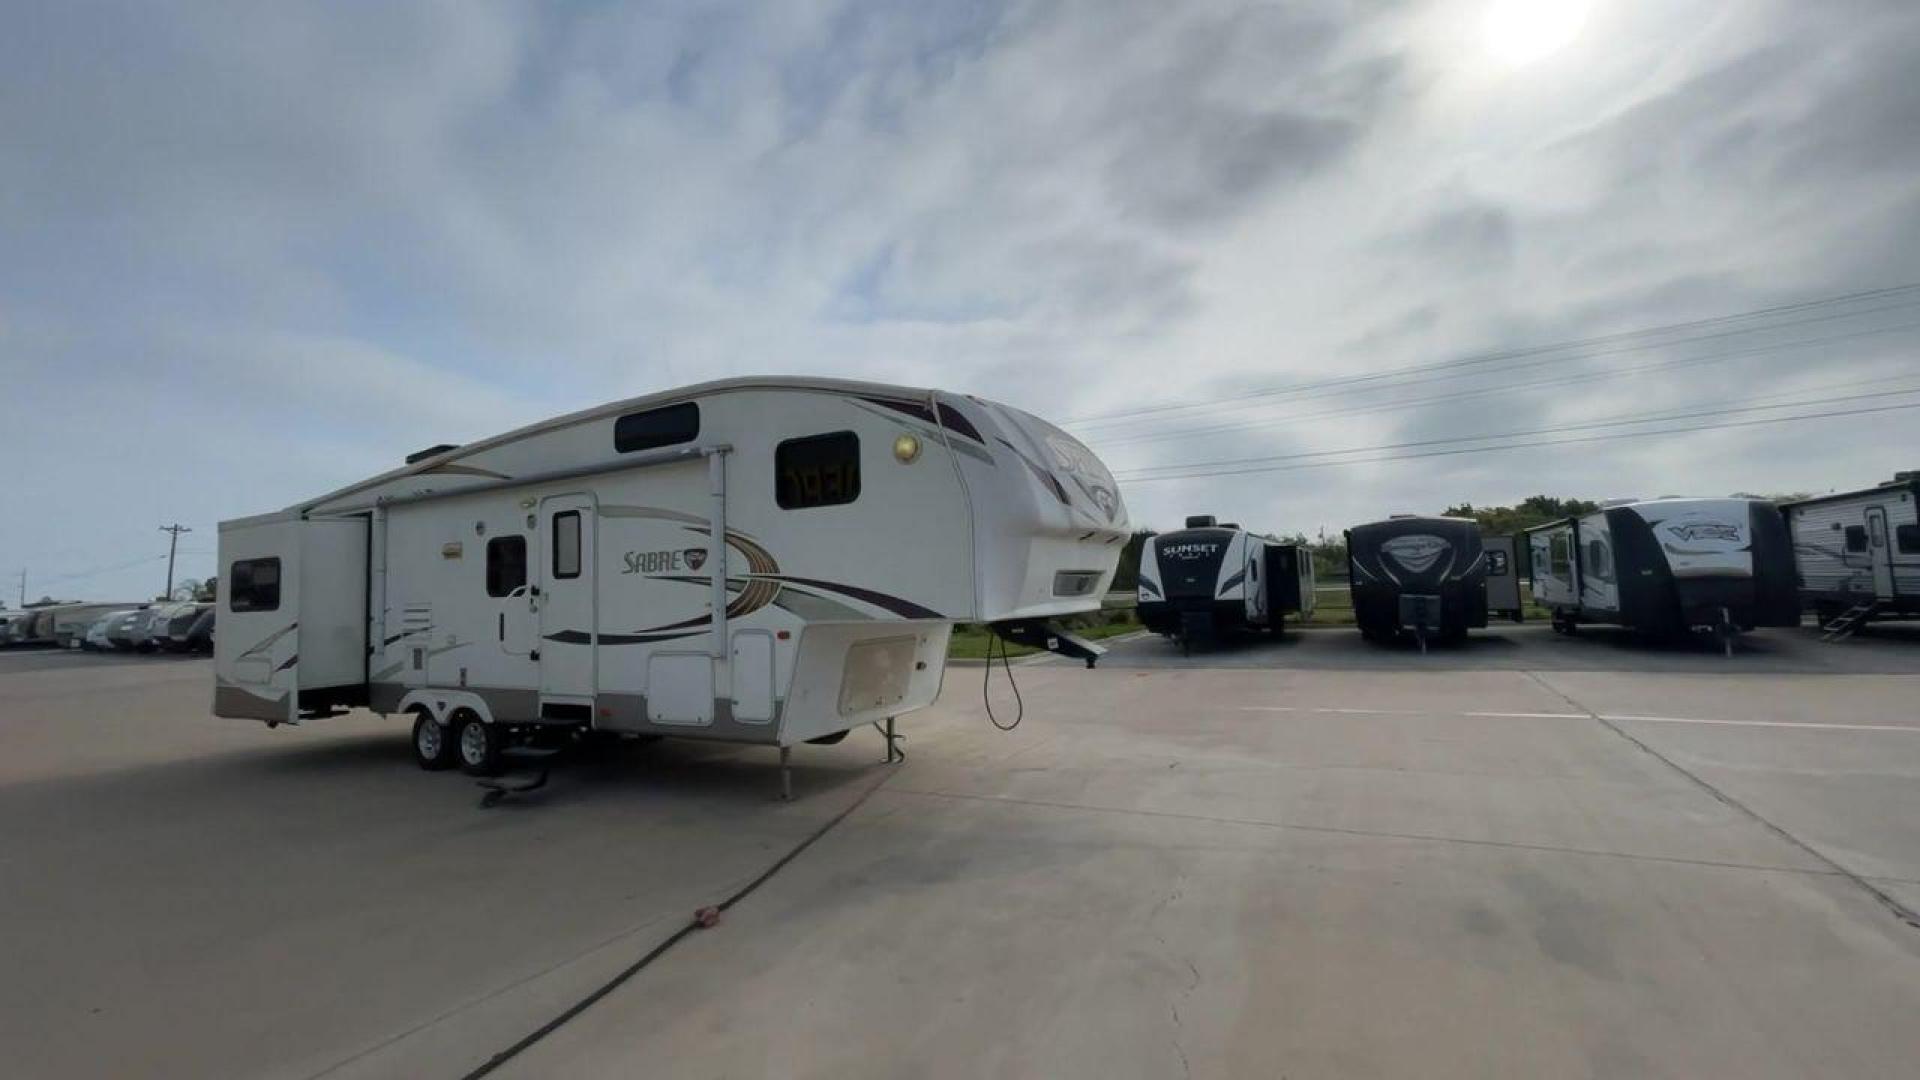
[(906, 449)]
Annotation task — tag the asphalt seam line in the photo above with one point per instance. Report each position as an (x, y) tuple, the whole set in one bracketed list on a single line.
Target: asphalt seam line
[(1807, 725), (1371, 834), (1887, 900)]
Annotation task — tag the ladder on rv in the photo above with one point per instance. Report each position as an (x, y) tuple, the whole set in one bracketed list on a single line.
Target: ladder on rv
[(1843, 626)]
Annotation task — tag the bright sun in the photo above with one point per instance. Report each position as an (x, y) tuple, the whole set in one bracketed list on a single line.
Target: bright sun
[(1523, 31)]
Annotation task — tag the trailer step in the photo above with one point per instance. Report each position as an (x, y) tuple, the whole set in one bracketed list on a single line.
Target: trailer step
[(1850, 620)]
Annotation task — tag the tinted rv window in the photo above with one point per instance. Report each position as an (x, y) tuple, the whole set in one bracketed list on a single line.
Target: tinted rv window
[(1909, 537), (655, 428), (506, 564), (566, 544), (1856, 538), (254, 585), (820, 470)]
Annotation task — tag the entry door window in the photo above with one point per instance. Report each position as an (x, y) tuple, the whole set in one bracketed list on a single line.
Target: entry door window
[(1877, 530), (566, 544)]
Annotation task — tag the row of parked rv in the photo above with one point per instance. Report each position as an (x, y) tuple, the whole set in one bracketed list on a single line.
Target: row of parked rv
[(184, 626), (783, 560), (1662, 566)]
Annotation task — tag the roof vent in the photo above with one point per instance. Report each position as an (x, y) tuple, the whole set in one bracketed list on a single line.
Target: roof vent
[(1200, 521), (1909, 476), (1230, 525), (1398, 517), (432, 451)]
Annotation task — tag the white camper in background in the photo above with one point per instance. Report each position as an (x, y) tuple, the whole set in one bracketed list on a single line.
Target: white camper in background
[(1210, 580), (1858, 553), (1667, 566), (756, 560)]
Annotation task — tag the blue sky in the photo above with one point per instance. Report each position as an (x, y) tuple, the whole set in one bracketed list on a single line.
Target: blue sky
[(249, 253)]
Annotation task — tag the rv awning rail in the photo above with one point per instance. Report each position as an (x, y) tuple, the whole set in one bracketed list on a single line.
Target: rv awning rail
[(643, 460)]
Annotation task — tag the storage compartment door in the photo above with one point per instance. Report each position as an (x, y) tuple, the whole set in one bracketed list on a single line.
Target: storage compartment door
[(753, 676)]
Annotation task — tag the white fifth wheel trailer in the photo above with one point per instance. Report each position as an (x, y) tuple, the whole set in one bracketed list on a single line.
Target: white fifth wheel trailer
[(756, 560), (1858, 553)]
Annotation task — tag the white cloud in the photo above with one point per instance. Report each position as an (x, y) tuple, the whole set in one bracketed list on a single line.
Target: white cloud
[(294, 242)]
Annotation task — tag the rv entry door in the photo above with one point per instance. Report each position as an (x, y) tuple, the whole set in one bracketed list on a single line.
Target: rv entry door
[(568, 627), (1880, 551)]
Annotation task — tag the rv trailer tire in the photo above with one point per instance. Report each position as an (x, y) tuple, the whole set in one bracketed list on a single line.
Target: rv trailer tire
[(478, 744), (432, 744)]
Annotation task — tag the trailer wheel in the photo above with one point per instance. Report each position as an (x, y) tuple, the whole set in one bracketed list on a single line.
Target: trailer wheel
[(479, 745), (432, 745)]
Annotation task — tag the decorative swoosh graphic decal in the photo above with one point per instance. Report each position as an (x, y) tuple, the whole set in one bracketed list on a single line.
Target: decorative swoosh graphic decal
[(931, 431), (268, 642), (1227, 585), (1147, 585)]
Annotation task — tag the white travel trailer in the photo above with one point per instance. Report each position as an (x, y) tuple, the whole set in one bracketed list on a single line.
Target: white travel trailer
[(757, 560), (72, 621), (1667, 566), (1858, 552), (1209, 579)]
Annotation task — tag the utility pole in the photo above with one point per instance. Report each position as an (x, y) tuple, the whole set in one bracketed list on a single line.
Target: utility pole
[(173, 542)]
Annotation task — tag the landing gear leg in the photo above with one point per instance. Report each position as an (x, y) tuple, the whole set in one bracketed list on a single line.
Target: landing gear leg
[(786, 775), (893, 754), (1727, 631)]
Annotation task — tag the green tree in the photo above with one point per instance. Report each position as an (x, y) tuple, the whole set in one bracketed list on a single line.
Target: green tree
[(1128, 575)]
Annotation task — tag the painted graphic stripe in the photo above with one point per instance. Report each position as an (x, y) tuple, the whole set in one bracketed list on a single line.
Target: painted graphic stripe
[(1227, 585)]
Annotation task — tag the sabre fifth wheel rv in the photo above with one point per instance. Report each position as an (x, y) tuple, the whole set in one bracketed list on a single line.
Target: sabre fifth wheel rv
[(1668, 566), (1210, 580), (1429, 576), (1858, 553), (757, 560)]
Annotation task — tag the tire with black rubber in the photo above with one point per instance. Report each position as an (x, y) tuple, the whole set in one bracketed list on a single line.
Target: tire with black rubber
[(479, 745), (432, 744)]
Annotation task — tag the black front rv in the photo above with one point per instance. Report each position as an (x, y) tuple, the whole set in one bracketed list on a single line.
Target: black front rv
[(1183, 586), (1422, 574)]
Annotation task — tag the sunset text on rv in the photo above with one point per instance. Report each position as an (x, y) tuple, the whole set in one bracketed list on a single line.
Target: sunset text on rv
[(1858, 552), (755, 560), (1209, 580), (1667, 566)]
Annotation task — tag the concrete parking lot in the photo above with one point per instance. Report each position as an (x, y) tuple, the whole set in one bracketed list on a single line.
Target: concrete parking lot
[(1312, 858)]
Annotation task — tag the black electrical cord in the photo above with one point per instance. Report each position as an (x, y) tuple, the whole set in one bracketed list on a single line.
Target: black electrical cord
[(986, 681), (659, 950)]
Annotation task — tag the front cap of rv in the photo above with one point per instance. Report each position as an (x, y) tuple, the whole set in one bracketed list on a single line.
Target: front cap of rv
[(1049, 522)]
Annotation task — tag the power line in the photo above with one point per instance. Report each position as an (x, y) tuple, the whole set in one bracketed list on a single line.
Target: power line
[(1488, 391), (1523, 445), (1908, 290), (1649, 418)]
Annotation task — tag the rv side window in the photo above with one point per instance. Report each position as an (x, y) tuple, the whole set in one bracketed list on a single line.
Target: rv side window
[(254, 585), (506, 564), (1597, 561), (566, 544), (819, 470), (1909, 539), (1856, 538), (1560, 561), (655, 428), (1496, 563)]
